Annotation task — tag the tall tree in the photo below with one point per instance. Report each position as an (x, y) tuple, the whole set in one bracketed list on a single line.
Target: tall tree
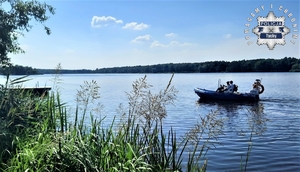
[(15, 19)]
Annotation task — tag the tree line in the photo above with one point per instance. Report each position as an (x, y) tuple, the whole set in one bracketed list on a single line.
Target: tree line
[(286, 64), (19, 70)]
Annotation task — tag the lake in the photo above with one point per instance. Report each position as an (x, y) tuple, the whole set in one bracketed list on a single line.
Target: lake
[(275, 143)]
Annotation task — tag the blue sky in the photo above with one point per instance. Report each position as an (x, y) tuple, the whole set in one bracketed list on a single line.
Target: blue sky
[(98, 34)]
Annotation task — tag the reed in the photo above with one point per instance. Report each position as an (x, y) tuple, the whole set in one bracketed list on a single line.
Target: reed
[(257, 125), (134, 141)]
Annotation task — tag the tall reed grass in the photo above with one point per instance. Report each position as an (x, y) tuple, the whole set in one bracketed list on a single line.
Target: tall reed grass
[(37, 134)]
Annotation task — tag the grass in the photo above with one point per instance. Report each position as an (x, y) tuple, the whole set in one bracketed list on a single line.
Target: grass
[(37, 134)]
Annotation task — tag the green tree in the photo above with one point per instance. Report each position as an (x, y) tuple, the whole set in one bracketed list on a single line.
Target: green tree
[(296, 67), (15, 19)]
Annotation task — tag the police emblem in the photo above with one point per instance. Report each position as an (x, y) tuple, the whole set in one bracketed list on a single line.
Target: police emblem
[(271, 30)]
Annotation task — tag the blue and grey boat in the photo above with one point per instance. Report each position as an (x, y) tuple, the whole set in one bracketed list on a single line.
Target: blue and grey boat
[(224, 95)]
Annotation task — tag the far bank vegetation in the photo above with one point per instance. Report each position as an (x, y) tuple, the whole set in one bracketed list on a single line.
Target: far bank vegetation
[(286, 64)]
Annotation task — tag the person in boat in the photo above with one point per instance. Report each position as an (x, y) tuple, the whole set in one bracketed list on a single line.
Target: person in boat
[(255, 89), (230, 87), (223, 88), (226, 86), (220, 89), (233, 86)]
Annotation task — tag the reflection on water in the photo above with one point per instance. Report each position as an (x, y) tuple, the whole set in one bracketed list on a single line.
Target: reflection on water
[(270, 126), (255, 117)]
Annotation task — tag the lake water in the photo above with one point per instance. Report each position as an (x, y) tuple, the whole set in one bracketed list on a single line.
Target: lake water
[(276, 143)]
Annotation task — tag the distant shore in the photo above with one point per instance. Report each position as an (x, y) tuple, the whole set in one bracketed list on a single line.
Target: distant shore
[(286, 64)]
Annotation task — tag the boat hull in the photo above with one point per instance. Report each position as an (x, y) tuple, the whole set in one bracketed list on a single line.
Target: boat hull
[(213, 95)]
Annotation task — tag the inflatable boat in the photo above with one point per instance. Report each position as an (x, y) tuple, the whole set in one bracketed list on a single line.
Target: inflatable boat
[(222, 94)]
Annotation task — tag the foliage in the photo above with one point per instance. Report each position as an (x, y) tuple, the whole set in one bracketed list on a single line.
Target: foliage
[(296, 67), (17, 19), (18, 110), (257, 125), (287, 64), (137, 143), (19, 70), (257, 65)]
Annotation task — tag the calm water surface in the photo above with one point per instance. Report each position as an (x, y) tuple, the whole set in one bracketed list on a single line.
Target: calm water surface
[(275, 144)]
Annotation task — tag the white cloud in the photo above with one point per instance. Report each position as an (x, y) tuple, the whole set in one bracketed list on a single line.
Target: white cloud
[(136, 26), (145, 38), (104, 21), (170, 35), (175, 43), (228, 35), (154, 43), (158, 44)]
